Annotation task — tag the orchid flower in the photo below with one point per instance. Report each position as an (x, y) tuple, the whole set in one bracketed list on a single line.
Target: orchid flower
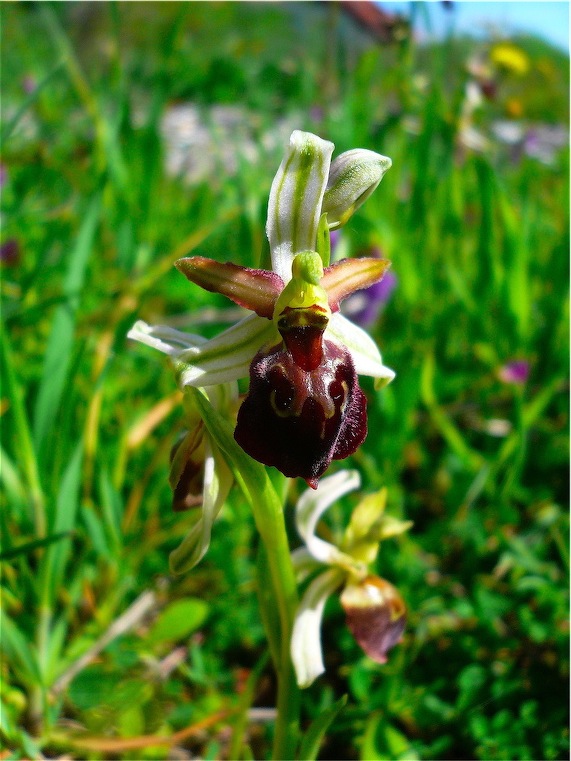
[(199, 473), (376, 614), (304, 406)]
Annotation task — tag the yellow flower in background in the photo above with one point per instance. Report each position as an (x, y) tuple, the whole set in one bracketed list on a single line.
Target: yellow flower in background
[(505, 55)]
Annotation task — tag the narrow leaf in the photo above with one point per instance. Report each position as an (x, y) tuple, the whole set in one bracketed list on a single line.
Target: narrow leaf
[(316, 732), (55, 560), (57, 358), (268, 606), (18, 651), (25, 549), (29, 101)]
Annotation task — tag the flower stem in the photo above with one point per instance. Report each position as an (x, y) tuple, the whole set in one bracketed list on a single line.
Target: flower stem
[(267, 509), (270, 522)]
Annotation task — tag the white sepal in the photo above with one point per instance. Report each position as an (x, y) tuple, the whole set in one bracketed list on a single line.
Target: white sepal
[(304, 564), (295, 201), (311, 506), (364, 351), (305, 648), (164, 338), (217, 483), (226, 357)]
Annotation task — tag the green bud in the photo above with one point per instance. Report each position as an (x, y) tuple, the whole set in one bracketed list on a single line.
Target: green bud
[(353, 176)]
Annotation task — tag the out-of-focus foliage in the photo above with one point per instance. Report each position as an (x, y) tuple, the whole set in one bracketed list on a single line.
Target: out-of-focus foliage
[(136, 133)]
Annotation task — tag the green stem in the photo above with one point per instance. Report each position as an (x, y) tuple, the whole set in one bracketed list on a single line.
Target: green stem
[(269, 518), (268, 512)]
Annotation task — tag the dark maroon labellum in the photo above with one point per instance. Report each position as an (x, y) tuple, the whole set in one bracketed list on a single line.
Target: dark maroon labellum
[(299, 415), (376, 616)]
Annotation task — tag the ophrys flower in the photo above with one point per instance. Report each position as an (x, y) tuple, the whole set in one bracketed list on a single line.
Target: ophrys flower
[(375, 611), (304, 406)]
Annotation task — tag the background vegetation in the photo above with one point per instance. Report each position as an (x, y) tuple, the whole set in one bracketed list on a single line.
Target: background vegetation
[(108, 175)]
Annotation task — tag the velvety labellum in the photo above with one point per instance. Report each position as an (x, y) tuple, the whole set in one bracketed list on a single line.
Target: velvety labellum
[(298, 419), (376, 616)]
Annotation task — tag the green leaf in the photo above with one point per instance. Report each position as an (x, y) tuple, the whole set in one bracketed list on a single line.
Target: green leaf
[(178, 620), (457, 443), (54, 561), (57, 358), (95, 687), (316, 732), (27, 547), (29, 101), (112, 509), (246, 700), (382, 742), (20, 654), (10, 479), (25, 453), (268, 607)]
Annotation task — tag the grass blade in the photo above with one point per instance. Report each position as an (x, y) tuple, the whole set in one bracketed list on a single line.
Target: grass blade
[(25, 549), (58, 352)]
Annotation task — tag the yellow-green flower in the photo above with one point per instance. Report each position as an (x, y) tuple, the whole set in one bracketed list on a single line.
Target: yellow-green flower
[(375, 611)]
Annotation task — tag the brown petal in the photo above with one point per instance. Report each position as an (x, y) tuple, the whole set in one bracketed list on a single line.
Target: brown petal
[(376, 615), (349, 275), (257, 290)]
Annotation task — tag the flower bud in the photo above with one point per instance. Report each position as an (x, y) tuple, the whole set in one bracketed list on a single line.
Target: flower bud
[(187, 469), (353, 176)]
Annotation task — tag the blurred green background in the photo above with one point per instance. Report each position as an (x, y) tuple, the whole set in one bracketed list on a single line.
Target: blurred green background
[(135, 133)]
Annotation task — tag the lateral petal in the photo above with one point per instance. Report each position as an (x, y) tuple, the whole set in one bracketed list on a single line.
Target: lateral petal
[(217, 483), (253, 289), (349, 275), (226, 357), (164, 338)]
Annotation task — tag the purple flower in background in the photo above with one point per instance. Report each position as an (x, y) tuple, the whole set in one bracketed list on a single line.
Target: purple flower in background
[(516, 372), (365, 306), (29, 84), (10, 252), (3, 175), (334, 238)]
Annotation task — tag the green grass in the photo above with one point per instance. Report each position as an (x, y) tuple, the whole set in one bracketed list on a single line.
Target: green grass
[(479, 243)]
